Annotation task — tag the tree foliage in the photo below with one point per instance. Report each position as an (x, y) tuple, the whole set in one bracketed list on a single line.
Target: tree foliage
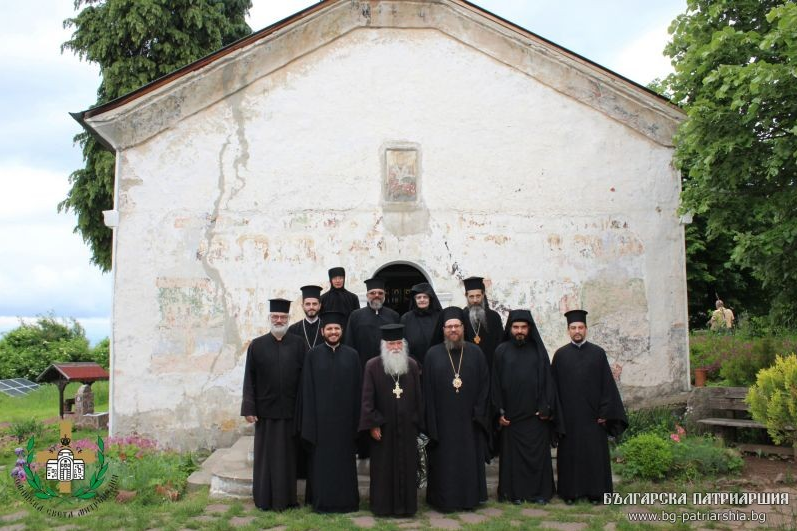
[(736, 78), (31, 347), (135, 42)]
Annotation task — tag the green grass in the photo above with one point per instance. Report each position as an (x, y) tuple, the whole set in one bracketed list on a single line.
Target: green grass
[(42, 403)]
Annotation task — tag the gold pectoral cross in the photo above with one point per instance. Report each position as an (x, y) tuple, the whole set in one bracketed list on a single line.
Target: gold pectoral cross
[(65, 428), (397, 391)]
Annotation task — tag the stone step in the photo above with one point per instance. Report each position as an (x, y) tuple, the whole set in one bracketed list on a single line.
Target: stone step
[(228, 472)]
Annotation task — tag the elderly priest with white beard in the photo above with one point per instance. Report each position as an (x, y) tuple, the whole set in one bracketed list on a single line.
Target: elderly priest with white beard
[(271, 382), (392, 412)]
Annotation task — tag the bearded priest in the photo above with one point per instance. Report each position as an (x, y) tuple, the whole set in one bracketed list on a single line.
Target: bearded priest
[(456, 384), (392, 413)]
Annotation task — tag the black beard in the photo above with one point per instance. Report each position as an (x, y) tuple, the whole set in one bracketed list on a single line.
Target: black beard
[(519, 342)]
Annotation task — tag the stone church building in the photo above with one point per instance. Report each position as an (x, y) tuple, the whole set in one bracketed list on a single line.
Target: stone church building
[(420, 140)]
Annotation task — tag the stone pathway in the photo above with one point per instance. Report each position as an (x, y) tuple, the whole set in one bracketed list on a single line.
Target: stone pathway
[(554, 516)]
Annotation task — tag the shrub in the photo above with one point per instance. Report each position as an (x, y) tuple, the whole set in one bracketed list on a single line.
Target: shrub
[(694, 457), (773, 399), (645, 456), (657, 420), (24, 429)]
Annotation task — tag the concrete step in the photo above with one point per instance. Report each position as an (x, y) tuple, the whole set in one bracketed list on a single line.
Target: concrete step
[(228, 473)]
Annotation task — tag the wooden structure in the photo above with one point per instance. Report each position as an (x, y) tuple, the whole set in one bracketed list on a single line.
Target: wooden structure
[(732, 413), (86, 372)]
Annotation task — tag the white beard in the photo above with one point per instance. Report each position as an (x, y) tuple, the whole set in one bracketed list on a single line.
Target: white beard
[(395, 364), (478, 316), (376, 304), (279, 331)]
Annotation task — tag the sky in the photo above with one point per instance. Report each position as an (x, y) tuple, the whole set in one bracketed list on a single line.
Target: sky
[(45, 267)]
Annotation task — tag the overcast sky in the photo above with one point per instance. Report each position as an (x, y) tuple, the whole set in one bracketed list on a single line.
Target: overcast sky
[(44, 267)]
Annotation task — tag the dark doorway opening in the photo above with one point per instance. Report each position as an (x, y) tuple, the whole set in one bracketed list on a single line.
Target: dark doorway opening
[(399, 279)]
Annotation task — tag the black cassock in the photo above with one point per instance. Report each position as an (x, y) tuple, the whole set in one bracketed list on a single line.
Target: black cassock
[(309, 333), (272, 377), (394, 459), (456, 424), (587, 392), (522, 386), (330, 417), (363, 333), (489, 337), (339, 300), (418, 331)]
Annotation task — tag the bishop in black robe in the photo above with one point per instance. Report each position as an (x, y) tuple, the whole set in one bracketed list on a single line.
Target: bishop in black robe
[(331, 391), (272, 377), (592, 411), (419, 323), (339, 299), (487, 334), (524, 401), (456, 386), (392, 413)]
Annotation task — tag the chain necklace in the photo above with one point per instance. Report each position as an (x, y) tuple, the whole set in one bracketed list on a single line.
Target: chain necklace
[(457, 381), (476, 338), (396, 390), (307, 340)]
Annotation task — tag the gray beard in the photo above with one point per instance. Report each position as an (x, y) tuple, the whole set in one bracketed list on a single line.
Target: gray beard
[(478, 316), (451, 345), (279, 331), (376, 304), (395, 364)]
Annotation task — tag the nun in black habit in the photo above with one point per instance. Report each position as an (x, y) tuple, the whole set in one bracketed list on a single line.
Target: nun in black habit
[(525, 404), (456, 386), (592, 410), (419, 323), (339, 299)]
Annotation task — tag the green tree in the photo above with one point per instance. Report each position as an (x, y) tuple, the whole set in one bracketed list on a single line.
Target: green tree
[(31, 347), (135, 42), (735, 78)]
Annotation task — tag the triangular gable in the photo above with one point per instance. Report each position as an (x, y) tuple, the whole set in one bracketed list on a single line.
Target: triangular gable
[(137, 116)]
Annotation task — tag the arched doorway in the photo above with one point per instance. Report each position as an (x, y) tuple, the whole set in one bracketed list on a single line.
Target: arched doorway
[(399, 279)]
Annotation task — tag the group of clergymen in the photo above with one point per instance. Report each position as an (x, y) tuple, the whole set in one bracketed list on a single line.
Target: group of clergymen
[(348, 381)]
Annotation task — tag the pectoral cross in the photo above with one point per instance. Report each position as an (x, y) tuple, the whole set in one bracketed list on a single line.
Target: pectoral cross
[(397, 391), (65, 428)]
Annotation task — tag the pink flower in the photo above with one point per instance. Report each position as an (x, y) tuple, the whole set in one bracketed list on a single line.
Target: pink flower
[(680, 430), (675, 437)]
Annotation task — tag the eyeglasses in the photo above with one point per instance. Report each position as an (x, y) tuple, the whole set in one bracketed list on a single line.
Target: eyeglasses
[(452, 327)]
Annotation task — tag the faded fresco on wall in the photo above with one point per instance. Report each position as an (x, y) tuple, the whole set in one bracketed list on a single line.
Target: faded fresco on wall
[(401, 183)]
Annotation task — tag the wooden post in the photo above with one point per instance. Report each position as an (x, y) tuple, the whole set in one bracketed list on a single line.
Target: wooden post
[(61, 386)]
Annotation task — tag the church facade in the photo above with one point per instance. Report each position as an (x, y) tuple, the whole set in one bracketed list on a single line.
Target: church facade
[(422, 140)]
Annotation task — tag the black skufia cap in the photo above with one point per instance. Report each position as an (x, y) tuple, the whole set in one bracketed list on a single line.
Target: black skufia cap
[(576, 316), (519, 315), (337, 272), (392, 332), (333, 318), (311, 292), (375, 283), (474, 283), (279, 306)]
